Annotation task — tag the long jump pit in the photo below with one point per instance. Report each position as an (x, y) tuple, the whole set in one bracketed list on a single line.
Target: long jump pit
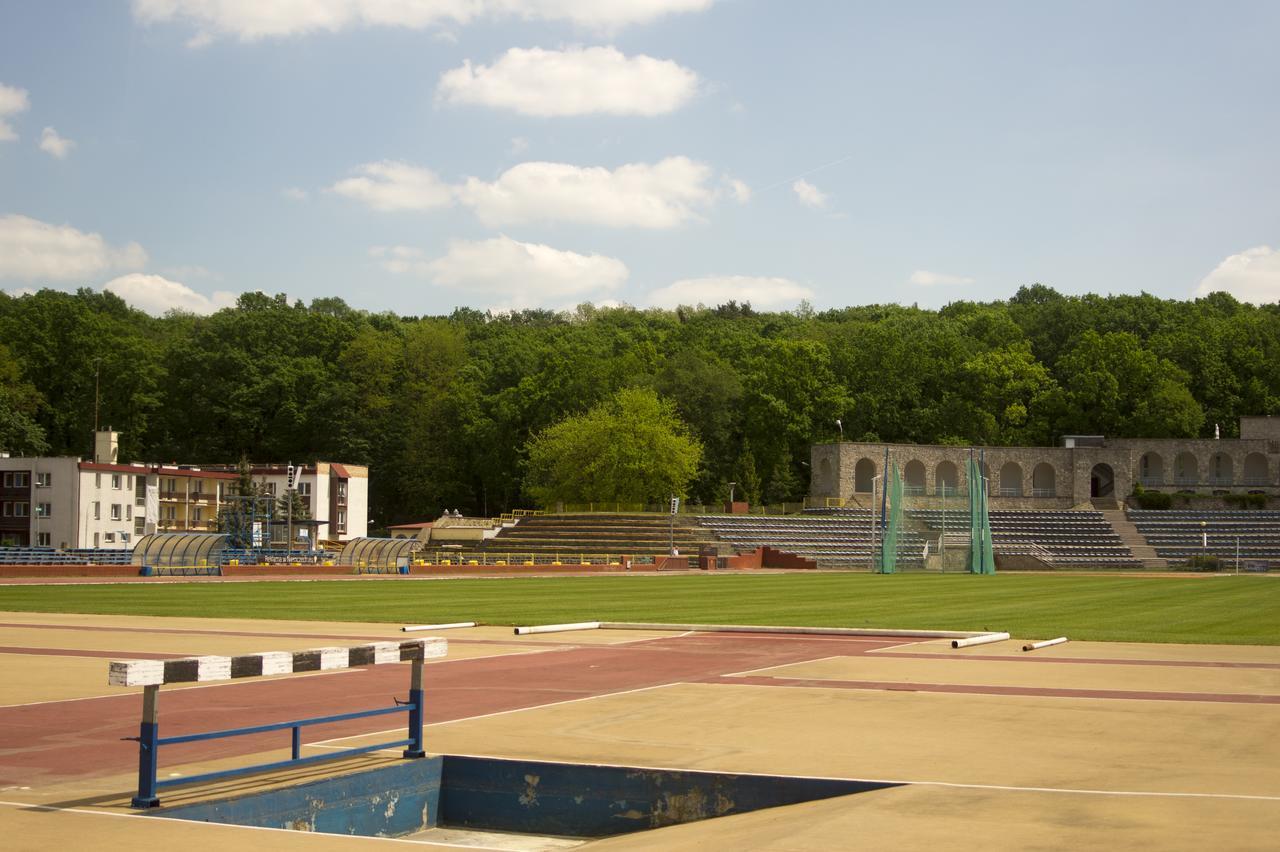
[(661, 737)]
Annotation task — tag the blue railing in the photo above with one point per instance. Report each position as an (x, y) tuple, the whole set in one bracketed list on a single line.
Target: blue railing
[(150, 741)]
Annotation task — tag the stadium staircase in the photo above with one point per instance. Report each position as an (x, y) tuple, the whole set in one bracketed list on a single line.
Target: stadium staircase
[(1134, 539)]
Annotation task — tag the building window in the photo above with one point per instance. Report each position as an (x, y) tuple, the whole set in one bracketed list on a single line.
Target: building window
[(197, 486), (15, 479), (304, 488), (8, 479), (44, 480), (44, 510), (97, 510), (128, 511), (44, 539), (97, 480), (115, 481), (139, 525), (197, 515), (111, 538), (271, 488), (96, 541), (115, 511), (21, 510), (342, 493), (170, 512), (342, 520), (6, 510)]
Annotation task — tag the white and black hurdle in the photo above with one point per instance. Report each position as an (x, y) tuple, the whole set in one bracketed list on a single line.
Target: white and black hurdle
[(152, 674)]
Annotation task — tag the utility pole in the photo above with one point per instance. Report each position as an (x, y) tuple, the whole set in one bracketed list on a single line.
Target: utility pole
[(288, 508)]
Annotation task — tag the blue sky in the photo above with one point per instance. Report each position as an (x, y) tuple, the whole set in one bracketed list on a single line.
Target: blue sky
[(410, 156)]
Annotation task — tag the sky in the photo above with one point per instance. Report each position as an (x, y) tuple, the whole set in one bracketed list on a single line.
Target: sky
[(422, 155)]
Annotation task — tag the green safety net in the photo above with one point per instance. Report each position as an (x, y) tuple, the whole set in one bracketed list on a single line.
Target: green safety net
[(981, 558), (889, 544)]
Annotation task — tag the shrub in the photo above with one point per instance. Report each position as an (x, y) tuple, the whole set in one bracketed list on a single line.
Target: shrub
[(1153, 499)]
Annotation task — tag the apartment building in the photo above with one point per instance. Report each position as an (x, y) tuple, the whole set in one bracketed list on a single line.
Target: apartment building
[(65, 502)]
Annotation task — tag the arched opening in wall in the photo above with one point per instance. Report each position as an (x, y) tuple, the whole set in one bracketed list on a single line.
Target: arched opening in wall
[(1044, 480), (1221, 469), (913, 477), (1151, 469), (1011, 480), (946, 480), (1186, 470), (1255, 470), (1102, 481), (864, 473)]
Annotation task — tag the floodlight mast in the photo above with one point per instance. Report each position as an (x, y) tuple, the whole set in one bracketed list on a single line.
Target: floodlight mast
[(288, 509)]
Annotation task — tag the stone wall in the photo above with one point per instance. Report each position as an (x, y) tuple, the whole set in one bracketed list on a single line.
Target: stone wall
[(1051, 477)]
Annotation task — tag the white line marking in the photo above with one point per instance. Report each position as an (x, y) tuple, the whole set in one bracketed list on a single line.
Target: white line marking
[(147, 818), (903, 645), (178, 688), (501, 712), (786, 666)]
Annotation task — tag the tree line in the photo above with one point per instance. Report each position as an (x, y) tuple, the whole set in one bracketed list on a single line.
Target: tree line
[(445, 410)]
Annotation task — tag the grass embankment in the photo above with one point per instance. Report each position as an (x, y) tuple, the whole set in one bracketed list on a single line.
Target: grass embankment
[(1226, 609)]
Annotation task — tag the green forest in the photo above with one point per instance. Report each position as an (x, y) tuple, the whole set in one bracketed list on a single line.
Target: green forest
[(445, 410)]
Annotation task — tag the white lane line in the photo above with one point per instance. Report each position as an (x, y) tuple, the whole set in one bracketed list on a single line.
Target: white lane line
[(500, 713), (786, 666), (903, 645), (144, 818), (177, 688)]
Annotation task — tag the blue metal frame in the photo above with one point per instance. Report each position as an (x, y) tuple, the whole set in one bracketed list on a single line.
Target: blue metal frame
[(149, 742)]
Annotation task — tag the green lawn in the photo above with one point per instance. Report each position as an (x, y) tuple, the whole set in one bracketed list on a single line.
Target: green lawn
[(1221, 609)]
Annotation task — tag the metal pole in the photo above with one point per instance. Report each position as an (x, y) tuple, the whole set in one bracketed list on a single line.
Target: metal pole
[(942, 542), (1237, 554), (148, 746), (415, 711)]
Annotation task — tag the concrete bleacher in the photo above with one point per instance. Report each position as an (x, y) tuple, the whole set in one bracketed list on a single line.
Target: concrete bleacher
[(1073, 538), (541, 538), (71, 556), (1180, 535), (834, 538)]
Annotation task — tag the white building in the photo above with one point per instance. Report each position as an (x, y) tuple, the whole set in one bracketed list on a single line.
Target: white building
[(65, 502)]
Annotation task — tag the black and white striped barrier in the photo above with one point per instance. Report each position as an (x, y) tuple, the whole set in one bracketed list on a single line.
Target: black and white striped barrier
[(205, 669)]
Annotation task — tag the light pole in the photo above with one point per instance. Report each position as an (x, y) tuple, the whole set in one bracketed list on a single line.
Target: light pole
[(731, 486), (840, 426)]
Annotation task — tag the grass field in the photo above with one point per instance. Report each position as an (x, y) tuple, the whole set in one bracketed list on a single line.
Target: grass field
[(1221, 609)]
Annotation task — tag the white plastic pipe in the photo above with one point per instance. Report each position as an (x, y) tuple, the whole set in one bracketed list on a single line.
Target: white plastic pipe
[(410, 628), (557, 628), (1036, 646), (810, 631), (984, 639)]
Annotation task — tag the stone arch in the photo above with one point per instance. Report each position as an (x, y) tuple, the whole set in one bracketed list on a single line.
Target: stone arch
[(1256, 470), (1010, 480), (1044, 480), (1186, 470), (945, 476), (1222, 469), (1102, 481), (1151, 469), (913, 476), (864, 474)]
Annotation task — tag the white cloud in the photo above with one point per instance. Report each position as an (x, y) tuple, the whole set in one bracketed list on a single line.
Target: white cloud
[(390, 185), (574, 81), (740, 192), (925, 278), (158, 296), (54, 145), (1252, 275), (294, 193), (12, 101), (249, 20), (19, 292), (809, 194), (510, 274), (31, 250), (716, 290), (662, 195)]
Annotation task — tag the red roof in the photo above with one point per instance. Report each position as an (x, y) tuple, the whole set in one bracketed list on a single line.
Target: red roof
[(339, 470)]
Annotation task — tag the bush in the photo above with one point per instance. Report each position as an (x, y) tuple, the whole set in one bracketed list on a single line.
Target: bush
[(1245, 501), (1153, 499), (1204, 562)]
